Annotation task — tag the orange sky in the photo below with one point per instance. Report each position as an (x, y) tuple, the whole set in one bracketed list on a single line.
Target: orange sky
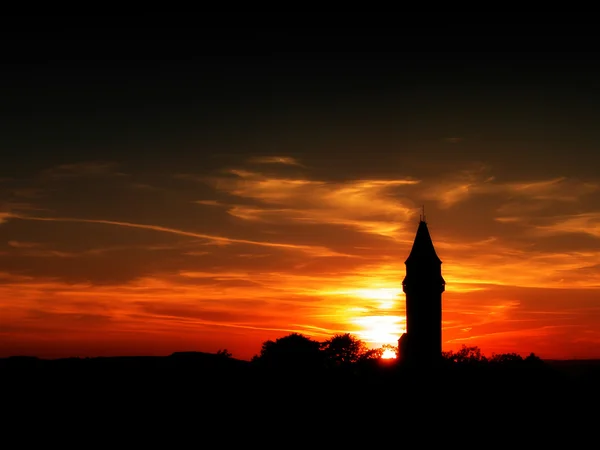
[(148, 208), (276, 250)]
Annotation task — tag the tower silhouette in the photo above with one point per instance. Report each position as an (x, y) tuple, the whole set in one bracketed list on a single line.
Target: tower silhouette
[(423, 285)]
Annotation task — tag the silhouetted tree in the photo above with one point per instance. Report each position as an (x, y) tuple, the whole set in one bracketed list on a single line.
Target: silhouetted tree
[(372, 354), (377, 353), (532, 358), (466, 355), (224, 353), (343, 349), (294, 351), (506, 358)]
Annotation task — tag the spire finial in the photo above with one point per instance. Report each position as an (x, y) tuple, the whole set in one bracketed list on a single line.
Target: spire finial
[(423, 213)]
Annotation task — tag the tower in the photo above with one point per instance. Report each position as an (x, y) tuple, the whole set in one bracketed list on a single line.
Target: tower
[(423, 285)]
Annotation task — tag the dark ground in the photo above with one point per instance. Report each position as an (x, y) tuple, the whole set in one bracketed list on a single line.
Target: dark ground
[(208, 396)]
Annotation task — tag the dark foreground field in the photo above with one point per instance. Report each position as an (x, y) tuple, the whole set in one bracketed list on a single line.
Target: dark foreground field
[(228, 400)]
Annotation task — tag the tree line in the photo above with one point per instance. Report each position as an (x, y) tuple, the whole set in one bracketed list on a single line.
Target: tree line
[(346, 350)]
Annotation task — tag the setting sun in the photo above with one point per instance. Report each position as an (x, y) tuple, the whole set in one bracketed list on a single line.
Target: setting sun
[(388, 353)]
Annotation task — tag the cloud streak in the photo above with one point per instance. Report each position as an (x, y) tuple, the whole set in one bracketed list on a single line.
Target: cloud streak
[(313, 250), (585, 223), (285, 160), (471, 183), (370, 206)]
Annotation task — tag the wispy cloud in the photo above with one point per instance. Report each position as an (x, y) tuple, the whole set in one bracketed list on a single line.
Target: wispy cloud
[(285, 160), (4, 216), (8, 208), (585, 223), (525, 263), (314, 250), (21, 244), (537, 331), (560, 189), (453, 140), (456, 188), (371, 206), (209, 202)]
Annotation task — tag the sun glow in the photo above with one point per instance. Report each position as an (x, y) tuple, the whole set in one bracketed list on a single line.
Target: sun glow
[(386, 297), (388, 353), (380, 330), (381, 298), (384, 294)]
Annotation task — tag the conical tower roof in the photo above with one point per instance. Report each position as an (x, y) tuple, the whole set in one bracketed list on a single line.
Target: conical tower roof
[(422, 249)]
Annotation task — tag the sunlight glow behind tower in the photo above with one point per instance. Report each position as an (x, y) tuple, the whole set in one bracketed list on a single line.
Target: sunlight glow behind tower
[(380, 330)]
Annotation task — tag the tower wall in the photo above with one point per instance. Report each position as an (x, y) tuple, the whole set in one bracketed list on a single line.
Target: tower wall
[(424, 323)]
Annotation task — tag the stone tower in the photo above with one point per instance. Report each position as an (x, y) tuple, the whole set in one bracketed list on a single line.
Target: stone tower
[(423, 285)]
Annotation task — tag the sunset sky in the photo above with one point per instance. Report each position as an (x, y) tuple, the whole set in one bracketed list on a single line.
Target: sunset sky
[(272, 183)]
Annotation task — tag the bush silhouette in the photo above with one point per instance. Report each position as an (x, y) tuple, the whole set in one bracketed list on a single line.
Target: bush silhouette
[(294, 351), (466, 355), (224, 353), (343, 350)]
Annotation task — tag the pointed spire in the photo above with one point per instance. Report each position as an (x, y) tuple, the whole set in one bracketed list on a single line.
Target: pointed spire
[(423, 249)]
